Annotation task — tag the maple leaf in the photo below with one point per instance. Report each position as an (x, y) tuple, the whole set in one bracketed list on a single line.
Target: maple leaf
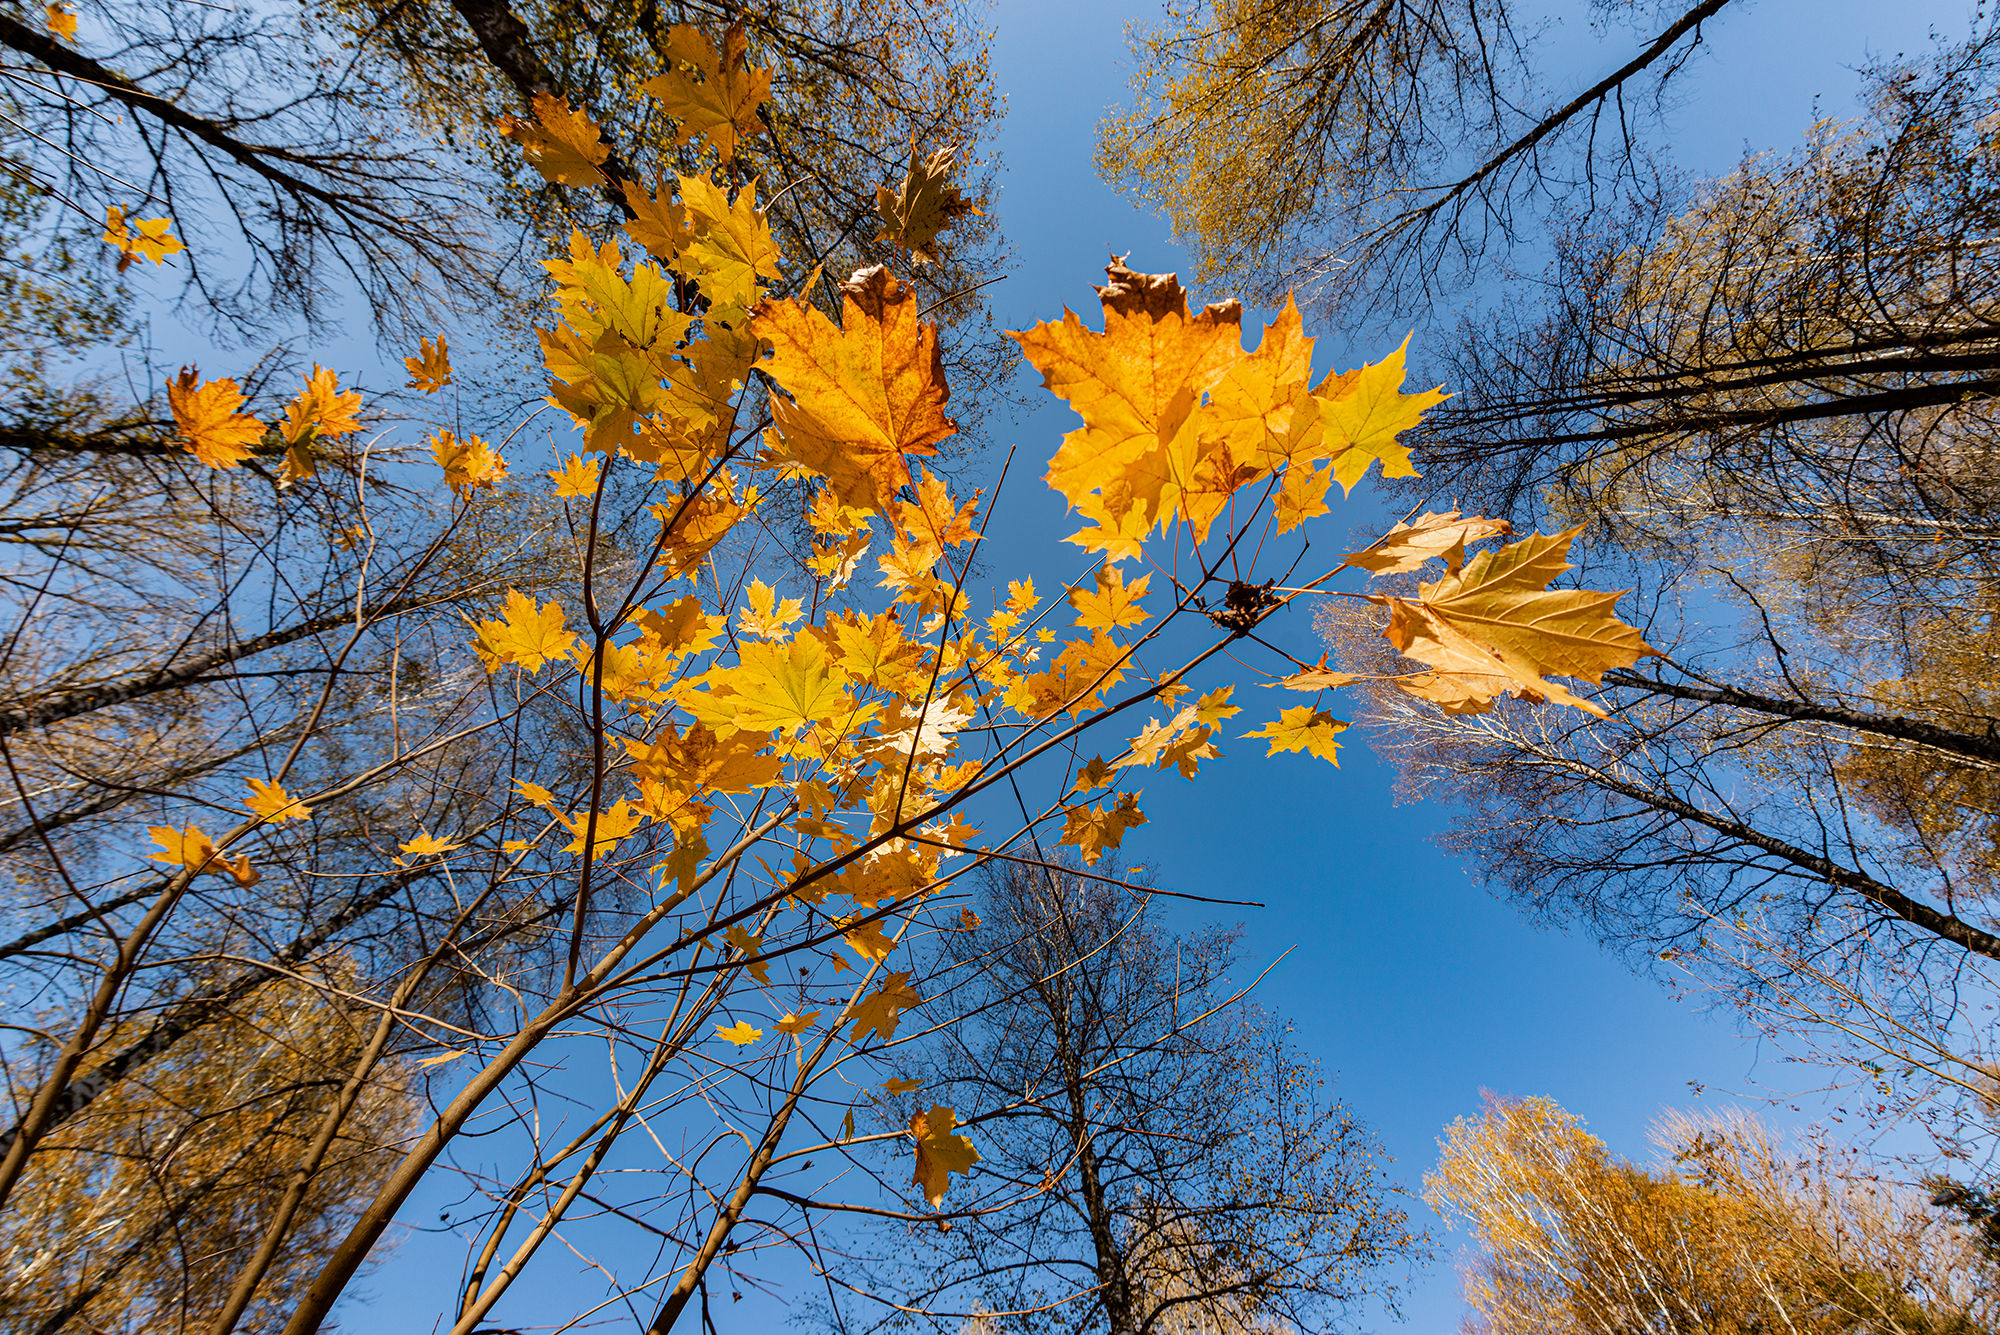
[(272, 802), (427, 845), (205, 416), (61, 22), (1094, 829), (239, 871), (138, 238), (923, 205), (967, 920), (935, 517), (430, 369), (1303, 728), (613, 824), (468, 464), (1496, 626), (1440, 537), (1113, 603), (1136, 386), (1094, 775), (1317, 678), (742, 1033), (797, 1024), (789, 685), (864, 395), (767, 617), (320, 409), (525, 635), (940, 1153), (1211, 709), (576, 478), (899, 1085), (1302, 495), (565, 146), (868, 942), (658, 222), (182, 848), (751, 946), (879, 1010), (729, 247), (1361, 412), (723, 103)]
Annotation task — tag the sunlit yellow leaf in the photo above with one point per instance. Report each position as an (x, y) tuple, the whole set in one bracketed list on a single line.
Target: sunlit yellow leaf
[(1303, 728), (940, 1153), (741, 1033), (565, 146)]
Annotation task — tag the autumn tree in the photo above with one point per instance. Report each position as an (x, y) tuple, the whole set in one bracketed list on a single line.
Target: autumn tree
[(651, 798), (1732, 1233), (1178, 1165)]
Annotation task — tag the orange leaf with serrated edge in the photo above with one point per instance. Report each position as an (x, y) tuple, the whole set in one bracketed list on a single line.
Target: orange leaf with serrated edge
[(1136, 386), (1113, 603), (940, 1153), (1094, 829), (741, 1033), (1094, 775), (576, 478), (61, 22), (1496, 627), (565, 146), (428, 845), (468, 464), (272, 802), (797, 1024), (722, 104), (182, 848), (868, 942), (320, 409), (658, 222), (1303, 728), (430, 369), (878, 1012), (1430, 537), (864, 395), (205, 416), (729, 246)]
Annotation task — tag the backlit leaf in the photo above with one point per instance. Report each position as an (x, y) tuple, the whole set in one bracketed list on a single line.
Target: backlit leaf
[(741, 1033), (940, 1153), (565, 146), (722, 102), (923, 205), (430, 369), (1303, 728), (1094, 829), (205, 416)]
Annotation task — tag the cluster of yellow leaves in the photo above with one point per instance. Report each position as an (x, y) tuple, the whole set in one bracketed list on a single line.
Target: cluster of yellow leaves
[(320, 410), (1178, 417), (526, 633), (468, 464), (136, 238)]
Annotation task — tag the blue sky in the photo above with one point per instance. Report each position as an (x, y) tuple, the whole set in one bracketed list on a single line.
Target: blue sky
[(1410, 984)]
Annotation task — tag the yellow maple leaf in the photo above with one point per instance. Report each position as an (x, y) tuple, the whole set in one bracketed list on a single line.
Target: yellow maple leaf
[(741, 1033), (797, 1024), (576, 478), (878, 1012), (940, 1153), (138, 238), (1302, 495), (1137, 386), (767, 617), (320, 409), (729, 246), (1496, 626), (468, 464), (900, 1085), (427, 845), (182, 848), (430, 369), (864, 395), (788, 685), (658, 222), (1094, 775), (60, 22), (612, 825), (923, 205), (1361, 412), (565, 146), (722, 104), (205, 416), (1303, 728), (1094, 829), (525, 635), (967, 920), (1113, 603), (1212, 708), (272, 802), (1431, 537), (1317, 678), (868, 942)]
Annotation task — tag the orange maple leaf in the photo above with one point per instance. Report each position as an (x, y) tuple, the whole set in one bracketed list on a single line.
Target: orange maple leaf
[(430, 369), (137, 238), (205, 416), (468, 464), (940, 1153), (1094, 829), (723, 102), (864, 395), (272, 802), (320, 409), (565, 146)]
